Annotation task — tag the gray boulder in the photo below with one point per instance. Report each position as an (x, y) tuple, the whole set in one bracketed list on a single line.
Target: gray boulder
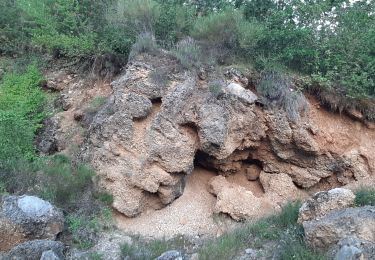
[(326, 231), (24, 218), (37, 249), (171, 255), (241, 93), (325, 201), (352, 248), (49, 255)]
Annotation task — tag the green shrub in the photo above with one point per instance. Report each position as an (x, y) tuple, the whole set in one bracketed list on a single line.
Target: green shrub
[(62, 182), (104, 197), (95, 256), (143, 250), (279, 92), (292, 247), (139, 15), (188, 53), (272, 228), (22, 105), (174, 23), (145, 43), (218, 29), (216, 87), (365, 196)]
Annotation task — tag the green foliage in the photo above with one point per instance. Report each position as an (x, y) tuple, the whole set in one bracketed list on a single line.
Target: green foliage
[(218, 29), (365, 196), (21, 112), (279, 92), (188, 53), (85, 228), (174, 23), (63, 181), (145, 43), (140, 15), (273, 228), (216, 87), (104, 197), (292, 247), (151, 249), (95, 256)]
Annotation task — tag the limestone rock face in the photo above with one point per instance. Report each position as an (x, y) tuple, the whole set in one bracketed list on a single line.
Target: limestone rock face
[(26, 218), (324, 202), (326, 231), (144, 140), (144, 150)]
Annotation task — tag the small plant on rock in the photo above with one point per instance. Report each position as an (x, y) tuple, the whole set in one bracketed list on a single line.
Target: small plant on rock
[(188, 53), (145, 43), (278, 91), (365, 196)]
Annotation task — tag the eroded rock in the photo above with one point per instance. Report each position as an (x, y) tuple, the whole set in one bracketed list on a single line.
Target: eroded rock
[(326, 231), (144, 140), (324, 202), (37, 249), (233, 199), (26, 218)]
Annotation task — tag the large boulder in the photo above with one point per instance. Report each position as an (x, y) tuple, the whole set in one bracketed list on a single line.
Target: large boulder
[(353, 248), (327, 230), (24, 218), (234, 199), (36, 250), (324, 202)]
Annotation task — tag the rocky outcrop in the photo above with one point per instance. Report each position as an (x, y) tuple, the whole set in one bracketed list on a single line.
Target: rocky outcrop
[(26, 218), (331, 228), (324, 202), (144, 140), (353, 248), (233, 199), (331, 225), (37, 250)]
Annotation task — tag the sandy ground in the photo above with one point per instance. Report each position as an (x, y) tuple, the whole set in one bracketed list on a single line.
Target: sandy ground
[(190, 215)]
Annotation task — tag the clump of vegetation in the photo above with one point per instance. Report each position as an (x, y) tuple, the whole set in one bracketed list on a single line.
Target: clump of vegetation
[(279, 92), (62, 182), (281, 228), (21, 111), (365, 196), (142, 250), (84, 229), (188, 53), (216, 87), (145, 43)]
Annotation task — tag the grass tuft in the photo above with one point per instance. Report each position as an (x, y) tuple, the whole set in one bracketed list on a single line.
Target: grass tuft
[(365, 196)]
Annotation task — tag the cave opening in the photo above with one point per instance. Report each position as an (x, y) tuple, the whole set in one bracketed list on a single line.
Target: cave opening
[(204, 160)]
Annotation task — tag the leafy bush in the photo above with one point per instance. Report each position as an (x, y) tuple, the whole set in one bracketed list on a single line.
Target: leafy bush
[(174, 23), (188, 53), (218, 29), (365, 196), (63, 182), (21, 112), (84, 229), (273, 228), (216, 87), (140, 15), (145, 43), (151, 249), (279, 92)]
